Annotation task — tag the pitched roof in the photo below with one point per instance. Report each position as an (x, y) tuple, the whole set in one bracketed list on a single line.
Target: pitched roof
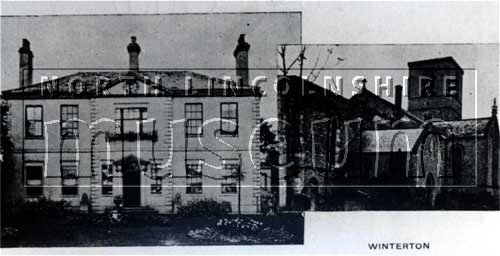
[(168, 82), (391, 140), (361, 98), (475, 127), (289, 85), (432, 62)]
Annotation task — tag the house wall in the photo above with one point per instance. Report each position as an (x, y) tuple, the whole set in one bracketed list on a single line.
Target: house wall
[(158, 108), (35, 149), (164, 110), (248, 118)]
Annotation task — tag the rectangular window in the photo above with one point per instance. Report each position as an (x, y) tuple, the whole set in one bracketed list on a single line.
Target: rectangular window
[(229, 184), (127, 118), (34, 179), (34, 121), (427, 87), (194, 177), (107, 178), (69, 127), (156, 179), (229, 112), (194, 118), (69, 172), (452, 87)]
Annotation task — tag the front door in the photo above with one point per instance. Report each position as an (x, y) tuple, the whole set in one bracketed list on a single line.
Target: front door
[(132, 187)]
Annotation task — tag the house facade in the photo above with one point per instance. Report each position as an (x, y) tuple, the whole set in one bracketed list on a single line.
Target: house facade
[(155, 138)]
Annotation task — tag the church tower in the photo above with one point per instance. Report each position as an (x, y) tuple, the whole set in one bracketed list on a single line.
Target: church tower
[(435, 89)]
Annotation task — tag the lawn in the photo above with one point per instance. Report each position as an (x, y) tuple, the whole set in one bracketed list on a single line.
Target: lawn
[(158, 230)]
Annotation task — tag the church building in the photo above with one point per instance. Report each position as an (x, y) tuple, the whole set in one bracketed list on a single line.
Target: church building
[(343, 153)]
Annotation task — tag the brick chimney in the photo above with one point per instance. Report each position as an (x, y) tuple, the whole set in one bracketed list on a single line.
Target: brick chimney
[(399, 96), (133, 51), (494, 108), (241, 55), (25, 64)]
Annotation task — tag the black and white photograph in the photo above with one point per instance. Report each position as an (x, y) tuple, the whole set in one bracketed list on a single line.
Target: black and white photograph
[(232, 127)]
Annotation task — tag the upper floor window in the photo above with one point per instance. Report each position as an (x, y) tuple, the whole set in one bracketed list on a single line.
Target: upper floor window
[(34, 121), (194, 118), (69, 122), (229, 112), (34, 179), (127, 119)]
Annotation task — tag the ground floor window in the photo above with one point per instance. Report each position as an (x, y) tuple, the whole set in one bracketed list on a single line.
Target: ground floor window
[(107, 178), (69, 171), (156, 179), (194, 177), (34, 179), (229, 184)]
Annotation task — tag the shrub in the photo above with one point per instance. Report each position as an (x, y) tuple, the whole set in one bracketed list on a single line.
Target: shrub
[(466, 200), (268, 204), (39, 211), (205, 208)]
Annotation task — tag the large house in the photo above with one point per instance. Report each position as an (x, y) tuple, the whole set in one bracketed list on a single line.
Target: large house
[(346, 151), (155, 138)]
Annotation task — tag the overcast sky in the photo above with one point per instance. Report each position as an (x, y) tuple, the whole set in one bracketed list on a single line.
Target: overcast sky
[(322, 22), (201, 43), (391, 60)]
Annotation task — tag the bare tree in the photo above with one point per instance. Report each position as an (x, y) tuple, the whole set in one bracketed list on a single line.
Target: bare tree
[(300, 57), (315, 70)]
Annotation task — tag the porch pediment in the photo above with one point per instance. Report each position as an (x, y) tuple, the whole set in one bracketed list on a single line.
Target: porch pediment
[(130, 163)]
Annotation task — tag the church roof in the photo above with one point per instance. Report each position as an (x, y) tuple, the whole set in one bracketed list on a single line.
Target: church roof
[(475, 127), (382, 107), (296, 86)]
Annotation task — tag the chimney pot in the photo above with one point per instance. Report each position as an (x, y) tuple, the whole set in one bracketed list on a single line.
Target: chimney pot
[(133, 49), (25, 64), (494, 108), (241, 55), (399, 96)]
